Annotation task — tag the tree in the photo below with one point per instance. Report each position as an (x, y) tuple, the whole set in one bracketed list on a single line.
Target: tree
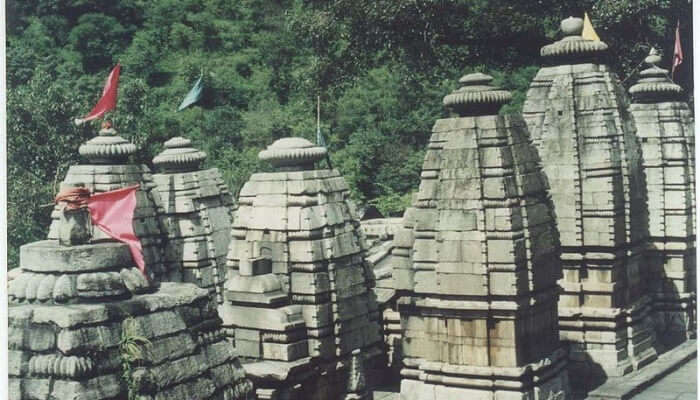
[(381, 68)]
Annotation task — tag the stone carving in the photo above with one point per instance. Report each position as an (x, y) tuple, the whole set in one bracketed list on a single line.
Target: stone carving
[(107, 169), (57, 274), (357, 382), (67, 309), (576, 111), (665, 127), (297, 297), (60, 366), (477, 260), (198, 209)]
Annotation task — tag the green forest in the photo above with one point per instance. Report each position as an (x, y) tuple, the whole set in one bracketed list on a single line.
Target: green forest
[(380, 67)]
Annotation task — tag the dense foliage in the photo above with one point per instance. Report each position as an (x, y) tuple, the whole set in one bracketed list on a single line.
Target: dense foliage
[(381, 68)]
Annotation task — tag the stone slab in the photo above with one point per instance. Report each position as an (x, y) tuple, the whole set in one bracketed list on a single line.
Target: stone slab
[(623, 388), (49, 256)]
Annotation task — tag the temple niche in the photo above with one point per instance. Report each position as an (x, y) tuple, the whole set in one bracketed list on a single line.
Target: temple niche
[(198, 210), (297, 298), (576, 111), (85, 323), (665, 127), (477, 261)]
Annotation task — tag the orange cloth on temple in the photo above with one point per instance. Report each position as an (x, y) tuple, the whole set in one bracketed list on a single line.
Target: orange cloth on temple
[(73, 198)]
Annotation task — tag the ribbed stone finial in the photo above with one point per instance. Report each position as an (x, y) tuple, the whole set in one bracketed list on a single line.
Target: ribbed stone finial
[(476, 96), (572, 26), (293, 153), (179, 156), (654, 84), (654, 58), (107, 148), (573, 48)]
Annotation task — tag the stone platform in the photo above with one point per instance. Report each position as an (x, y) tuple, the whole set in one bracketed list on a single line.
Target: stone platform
[(672, 377), (73, 351), (681, 384), (644, 381)]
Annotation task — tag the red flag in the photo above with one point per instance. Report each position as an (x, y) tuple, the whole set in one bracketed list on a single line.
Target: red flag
[(108, 100), (677, 50), (113, 212)]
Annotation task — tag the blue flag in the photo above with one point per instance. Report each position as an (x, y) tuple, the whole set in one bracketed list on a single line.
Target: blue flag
[(193, 96)]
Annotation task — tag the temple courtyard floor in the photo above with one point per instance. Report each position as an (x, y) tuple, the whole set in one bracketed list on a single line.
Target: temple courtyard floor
[(672, 377), (681, 384)]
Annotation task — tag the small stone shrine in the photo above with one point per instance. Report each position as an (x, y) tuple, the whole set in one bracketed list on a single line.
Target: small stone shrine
[(297, 299), (477, 261), (379, 235), (77, 312), (576, 111), (665, 127), (108, 169), (198, 209)]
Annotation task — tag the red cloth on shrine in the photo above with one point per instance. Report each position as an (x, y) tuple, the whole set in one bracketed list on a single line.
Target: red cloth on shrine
[(113, 212)]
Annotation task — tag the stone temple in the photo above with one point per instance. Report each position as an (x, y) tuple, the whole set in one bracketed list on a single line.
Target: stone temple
[(666, 129), (198, 208), (542, 253), (478, 261), (84, 323), (108, 168), (576, 111), (297, 298), (379, 235)]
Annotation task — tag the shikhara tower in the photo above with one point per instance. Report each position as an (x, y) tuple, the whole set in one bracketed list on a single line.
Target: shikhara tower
[(198, 209), (576, 111), (665, 127), (297, 298), (79, 297), (108, 168), (477, 261)]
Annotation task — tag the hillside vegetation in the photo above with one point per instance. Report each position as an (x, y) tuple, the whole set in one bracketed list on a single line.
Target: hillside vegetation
[(381, 68)]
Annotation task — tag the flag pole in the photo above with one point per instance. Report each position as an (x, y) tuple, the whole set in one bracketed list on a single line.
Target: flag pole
[(201, 109), (319, 138)]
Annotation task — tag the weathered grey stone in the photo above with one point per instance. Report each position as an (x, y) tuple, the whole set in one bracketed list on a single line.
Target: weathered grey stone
[(73, 351), (357, 381), (285, 351), (576, 112), (666, 128), (198, 209), (107, 170), (100, 284), (477, 259), (134, 280), (298, 275), (46, 257), (70, 284), (17, 363)]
